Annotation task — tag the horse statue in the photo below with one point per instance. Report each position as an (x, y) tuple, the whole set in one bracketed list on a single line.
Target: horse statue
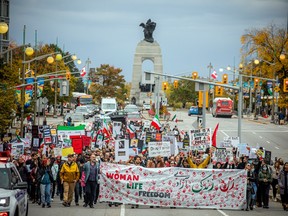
[(149, 27)]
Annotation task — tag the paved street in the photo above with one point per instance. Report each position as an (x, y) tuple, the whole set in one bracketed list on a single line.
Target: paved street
[(125, 210)]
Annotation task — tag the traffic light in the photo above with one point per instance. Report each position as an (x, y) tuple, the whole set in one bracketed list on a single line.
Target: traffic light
[(68, 75), (194, 75), (225, 78), (200, 99), (175, 83), (218, 91), (256, 83), (285, 85), (164, 86)]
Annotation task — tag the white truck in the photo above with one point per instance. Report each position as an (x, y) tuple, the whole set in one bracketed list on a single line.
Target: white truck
[(108, 105)]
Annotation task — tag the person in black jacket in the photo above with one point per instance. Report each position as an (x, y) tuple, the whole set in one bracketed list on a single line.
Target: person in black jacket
[(45, 178), (250, 190)]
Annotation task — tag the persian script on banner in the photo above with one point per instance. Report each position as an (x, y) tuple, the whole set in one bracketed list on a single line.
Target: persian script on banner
[(200, 139), (173, 186)]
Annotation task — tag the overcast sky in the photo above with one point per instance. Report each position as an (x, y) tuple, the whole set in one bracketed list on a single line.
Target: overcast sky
[(191, 33)]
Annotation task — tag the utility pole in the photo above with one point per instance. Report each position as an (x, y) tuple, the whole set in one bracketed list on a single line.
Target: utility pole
[(88, 75), (23, 88)]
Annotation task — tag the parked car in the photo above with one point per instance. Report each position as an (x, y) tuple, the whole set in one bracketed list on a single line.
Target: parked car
[(94, 107), (130, 108), (146, 106), (193, 110), (13, 191), (84, 110)]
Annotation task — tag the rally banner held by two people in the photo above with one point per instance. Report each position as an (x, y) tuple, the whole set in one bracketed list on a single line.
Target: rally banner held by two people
[(173, 187)]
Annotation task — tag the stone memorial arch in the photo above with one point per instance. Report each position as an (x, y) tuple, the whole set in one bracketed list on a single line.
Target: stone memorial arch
[(144, 86)]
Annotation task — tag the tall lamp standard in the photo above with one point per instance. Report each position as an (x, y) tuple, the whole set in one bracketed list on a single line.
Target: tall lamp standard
[(58, 58), (28, 51), (3, 30)]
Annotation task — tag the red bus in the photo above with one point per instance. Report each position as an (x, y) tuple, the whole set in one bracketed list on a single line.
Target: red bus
[(222, 107)]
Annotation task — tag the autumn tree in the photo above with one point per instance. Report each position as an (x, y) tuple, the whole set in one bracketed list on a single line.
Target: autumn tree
[(107, 81), (267, 45)]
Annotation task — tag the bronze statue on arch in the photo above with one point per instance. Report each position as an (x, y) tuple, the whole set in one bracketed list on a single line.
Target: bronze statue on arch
[(149, 28)]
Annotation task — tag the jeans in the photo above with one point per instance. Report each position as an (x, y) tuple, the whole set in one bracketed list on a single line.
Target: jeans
[(45, 193), (77, 192)]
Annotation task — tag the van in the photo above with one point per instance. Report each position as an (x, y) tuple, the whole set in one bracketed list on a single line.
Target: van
[(108, 105)]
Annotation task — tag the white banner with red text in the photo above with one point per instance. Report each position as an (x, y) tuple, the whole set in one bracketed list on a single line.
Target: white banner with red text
[(173, 186)]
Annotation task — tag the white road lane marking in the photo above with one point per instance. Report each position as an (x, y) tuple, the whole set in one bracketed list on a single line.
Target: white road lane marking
[(223, 213), (253, 132), (122, 212), (260, 137), (224, 133), (276, 147), (267, 141)]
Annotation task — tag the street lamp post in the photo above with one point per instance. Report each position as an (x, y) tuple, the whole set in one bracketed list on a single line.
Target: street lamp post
[(3, 30), (58, 58), (27, 52)]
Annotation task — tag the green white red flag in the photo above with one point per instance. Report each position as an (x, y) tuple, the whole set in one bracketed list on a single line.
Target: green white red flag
[(156, 122), (175, 118)]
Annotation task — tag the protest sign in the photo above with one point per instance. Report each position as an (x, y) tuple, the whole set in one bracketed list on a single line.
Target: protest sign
[(17, 149), (200, 139), (159, 149), (173, 144), (173, 187), (121, 150)]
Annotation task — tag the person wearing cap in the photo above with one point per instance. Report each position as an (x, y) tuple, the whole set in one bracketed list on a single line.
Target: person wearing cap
[(265, 179), (69, 175)]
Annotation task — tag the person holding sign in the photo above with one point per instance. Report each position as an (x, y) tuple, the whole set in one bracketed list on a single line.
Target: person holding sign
[(198, 162)]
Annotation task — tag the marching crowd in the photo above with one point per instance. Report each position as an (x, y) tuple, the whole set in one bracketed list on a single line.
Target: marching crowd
[(78, 177)]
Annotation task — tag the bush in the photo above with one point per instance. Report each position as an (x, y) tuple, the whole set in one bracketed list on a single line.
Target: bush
[(178, 105), (188, 105)]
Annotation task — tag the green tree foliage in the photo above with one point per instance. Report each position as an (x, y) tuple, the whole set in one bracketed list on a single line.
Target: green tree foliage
[(267, 44), (184, 93), (107, 81)]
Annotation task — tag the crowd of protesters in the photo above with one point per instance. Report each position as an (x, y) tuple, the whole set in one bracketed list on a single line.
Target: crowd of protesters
[(78, 177)]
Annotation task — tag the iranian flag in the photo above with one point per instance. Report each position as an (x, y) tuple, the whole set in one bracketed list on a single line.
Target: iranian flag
[(83, 71), (175, 118), (131, 130), (106, 129), (156, 122)]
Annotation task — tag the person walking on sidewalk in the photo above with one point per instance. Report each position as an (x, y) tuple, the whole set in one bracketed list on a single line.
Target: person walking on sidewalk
[(283, 185), (69, 175)]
